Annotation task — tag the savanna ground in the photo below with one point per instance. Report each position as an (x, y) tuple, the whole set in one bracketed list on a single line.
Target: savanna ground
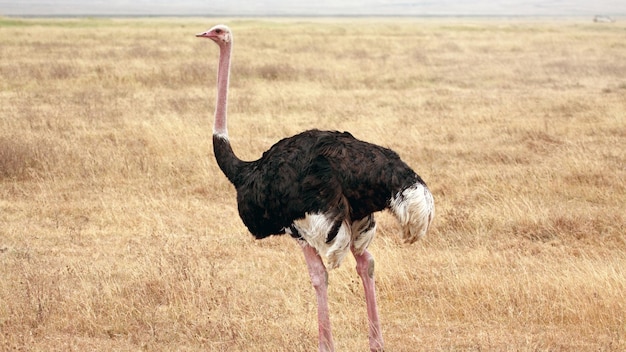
[(118, 232)]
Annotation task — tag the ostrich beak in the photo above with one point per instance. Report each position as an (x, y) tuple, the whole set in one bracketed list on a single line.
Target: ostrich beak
[(203, 34)]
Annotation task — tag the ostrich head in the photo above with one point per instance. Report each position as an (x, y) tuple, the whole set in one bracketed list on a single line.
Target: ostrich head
[(220, 34)]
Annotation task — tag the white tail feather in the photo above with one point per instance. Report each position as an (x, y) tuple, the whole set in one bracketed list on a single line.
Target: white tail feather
[(414, 208)]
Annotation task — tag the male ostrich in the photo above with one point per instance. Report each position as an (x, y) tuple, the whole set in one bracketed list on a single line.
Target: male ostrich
[(322, 188)]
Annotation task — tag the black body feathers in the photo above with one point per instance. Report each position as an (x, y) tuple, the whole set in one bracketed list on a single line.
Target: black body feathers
[(313, 172)]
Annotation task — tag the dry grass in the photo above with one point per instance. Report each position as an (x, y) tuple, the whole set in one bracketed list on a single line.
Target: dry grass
[(118, 232)]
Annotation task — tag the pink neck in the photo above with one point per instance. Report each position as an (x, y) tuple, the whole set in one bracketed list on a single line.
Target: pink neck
[(223, 72)]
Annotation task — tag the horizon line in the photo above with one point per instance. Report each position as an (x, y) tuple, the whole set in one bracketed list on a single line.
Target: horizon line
[(338, 15)]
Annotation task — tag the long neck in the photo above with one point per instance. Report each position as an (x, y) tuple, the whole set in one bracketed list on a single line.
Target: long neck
[(228, 162), (223, 73)]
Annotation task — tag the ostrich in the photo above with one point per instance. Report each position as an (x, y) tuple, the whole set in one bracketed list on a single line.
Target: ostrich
[(321, 188)]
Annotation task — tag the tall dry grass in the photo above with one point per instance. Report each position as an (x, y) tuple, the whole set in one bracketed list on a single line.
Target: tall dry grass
[(118, 231)]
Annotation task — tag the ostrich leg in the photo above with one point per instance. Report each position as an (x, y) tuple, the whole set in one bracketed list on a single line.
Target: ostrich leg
[(319, 279), (365, 268)]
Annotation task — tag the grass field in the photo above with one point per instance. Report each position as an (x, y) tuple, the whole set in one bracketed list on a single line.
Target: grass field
[(118, 232)]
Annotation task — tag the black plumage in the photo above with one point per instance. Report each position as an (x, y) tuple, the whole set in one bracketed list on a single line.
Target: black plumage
[(313, 172)]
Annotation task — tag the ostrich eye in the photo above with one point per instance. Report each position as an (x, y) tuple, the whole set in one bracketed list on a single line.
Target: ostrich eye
[(218, 31)]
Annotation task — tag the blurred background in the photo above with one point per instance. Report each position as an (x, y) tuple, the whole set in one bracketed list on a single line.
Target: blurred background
[(614, 8)]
